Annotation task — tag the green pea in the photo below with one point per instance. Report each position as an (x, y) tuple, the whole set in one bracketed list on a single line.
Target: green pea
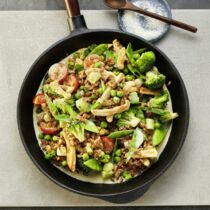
[(49, 155), (77, 95), (41, 135), (105, 158), (55, 138), (127, 176), (136, 56), (97, 65), (118, 116), (118, 152), (64, 163), (113, 93), (70, 101), (85, 156), (157, 125), (100, 91), (121, 85), (111, 68), (117, 159), (70, 64), (116, 99), (82, 87), (102, 57), (126, 71), (93, 96), (116, 72), (129, 77), (120, 94), (104, 124), (47, 137), (61, 133)]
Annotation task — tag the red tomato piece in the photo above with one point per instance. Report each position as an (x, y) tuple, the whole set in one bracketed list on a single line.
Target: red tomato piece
[(108, 144), (48, 128), (39, 99), (73, 82), (58, 71)]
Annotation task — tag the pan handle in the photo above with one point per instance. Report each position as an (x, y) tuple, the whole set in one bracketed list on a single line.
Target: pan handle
[(76, 21)]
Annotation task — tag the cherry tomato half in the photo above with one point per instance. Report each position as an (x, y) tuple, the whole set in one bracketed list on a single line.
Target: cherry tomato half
[(39, 99), (48, 128), (108, 144), (58, 71), (73, 82)]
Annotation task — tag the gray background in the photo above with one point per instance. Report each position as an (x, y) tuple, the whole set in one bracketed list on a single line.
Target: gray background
[(90, 4), (98, 4)]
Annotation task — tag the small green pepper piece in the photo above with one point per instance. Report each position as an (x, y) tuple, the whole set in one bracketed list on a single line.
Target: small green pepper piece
[(64, 163), (158, 135), (104, 124), (47, 137), (100, 49), (41, 135), (85, 156), (93, 164), (119, 134)]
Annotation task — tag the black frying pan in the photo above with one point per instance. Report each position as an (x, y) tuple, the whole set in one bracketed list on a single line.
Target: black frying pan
[(82, 37)]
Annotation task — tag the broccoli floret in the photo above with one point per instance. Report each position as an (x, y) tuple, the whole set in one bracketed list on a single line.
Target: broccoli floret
[(128, 119), (146, 62), (154, 80), (168, 116), (159, 101), (164, 115), (82, 167)]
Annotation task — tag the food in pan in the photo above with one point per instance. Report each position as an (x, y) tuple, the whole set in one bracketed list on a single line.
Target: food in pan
[(103, 110)]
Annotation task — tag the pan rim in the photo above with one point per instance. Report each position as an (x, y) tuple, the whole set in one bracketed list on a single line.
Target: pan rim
[(166, 166)]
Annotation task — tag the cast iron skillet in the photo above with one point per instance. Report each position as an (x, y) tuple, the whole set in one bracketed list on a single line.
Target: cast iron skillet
[(82, 37)]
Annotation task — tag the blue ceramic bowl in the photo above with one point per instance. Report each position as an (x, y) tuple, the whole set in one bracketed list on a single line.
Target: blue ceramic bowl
[(150, 29)]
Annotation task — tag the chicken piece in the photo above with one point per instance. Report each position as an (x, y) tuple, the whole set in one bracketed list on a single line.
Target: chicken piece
[(117, 46), (70, 149), (146, 153), (109, 119), (112, 111), (147, 91), (132, 86), (121, 58)]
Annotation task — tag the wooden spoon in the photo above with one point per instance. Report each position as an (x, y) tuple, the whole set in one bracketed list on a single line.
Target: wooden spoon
[(126, 5)]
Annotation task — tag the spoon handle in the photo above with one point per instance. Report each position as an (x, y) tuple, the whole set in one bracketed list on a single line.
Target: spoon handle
[(130, 6)]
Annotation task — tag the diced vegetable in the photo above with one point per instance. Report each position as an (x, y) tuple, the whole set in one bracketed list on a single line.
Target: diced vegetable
[(90, 126), (100, 49), (93, 77), (136, 142), (119, 134), (93, 165), (159, 135), (150, 124), (134, 98), (82, 105)]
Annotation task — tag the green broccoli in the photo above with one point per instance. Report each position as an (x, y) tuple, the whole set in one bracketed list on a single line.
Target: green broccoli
[(154, 80), (168, 116), (146, 62), (129, 119), (164, 115), (82, 167), (78, 130), (159, 101)]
